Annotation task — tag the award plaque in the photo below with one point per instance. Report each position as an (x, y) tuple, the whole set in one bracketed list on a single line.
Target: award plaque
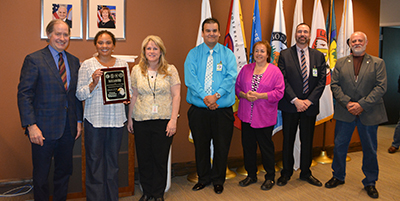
[(114, 82)]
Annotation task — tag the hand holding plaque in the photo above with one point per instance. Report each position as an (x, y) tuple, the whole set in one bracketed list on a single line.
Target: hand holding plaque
[(114, 82)]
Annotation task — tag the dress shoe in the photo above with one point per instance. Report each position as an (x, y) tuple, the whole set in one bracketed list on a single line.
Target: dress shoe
[(218, 188), (283, 180), (268, 184), (159, 199), (332, 183), (392, 149), (247, 181), (199, 186), (312, 180), (372, 192), (145, 198)]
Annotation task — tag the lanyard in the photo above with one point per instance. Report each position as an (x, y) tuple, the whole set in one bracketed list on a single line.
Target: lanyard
[(155, 82)]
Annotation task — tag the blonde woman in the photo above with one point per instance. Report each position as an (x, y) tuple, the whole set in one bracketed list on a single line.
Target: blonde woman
[(153, 114)]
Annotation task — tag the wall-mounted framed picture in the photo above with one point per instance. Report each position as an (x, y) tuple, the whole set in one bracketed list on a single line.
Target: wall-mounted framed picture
[(106, 15), (68, 10)]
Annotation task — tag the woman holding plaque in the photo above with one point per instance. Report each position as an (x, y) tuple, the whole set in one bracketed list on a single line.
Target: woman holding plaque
[(153, 114), (104, 123), (259, 87)]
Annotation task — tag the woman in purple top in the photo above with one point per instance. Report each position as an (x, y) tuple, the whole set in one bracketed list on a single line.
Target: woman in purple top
[(259, 87)]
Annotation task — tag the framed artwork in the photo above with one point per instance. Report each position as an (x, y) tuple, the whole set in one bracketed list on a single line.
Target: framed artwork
[(68, 10), (106, 15)]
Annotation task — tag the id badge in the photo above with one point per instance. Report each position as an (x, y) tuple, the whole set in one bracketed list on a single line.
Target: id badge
[(315, 72), (154, 109), (219, 66)]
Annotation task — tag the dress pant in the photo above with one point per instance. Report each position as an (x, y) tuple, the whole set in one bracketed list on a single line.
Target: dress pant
[(207, 125), (102, 147), (250, 137), (152, 150), (368, 138), (290, 122), (61, 150), (396, 136)]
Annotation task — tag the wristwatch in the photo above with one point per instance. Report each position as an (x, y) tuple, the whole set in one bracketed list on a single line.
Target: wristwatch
[(218, 95)]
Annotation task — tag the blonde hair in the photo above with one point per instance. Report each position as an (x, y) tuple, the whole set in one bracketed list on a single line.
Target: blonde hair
[(162, 62)]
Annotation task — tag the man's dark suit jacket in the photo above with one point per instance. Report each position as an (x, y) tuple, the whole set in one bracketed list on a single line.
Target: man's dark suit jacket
[(290, 67), (69, 22), (42, 99)]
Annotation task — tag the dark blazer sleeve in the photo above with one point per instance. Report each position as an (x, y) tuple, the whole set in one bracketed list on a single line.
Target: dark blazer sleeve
[(26, 91)]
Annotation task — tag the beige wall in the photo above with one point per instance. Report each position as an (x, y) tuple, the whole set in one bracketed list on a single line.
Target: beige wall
[(176, 22)]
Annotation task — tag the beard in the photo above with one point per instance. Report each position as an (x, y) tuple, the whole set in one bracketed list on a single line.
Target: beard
[(358, 49), (302, 40)]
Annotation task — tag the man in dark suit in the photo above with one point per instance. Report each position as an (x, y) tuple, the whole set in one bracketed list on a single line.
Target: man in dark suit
[(49, 110), (358, 83), (304, 71)]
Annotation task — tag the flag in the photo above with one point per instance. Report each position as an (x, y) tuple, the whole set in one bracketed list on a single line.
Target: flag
[(278, 36), (255, 29), (205, 13), (346, 29), (278, 43), (235, 41), (234, 37), (297, 19), (331, 35), (319, 41)]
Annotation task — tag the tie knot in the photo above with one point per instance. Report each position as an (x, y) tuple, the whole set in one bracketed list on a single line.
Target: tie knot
[(302, 51), (211, 51), (60, 54)]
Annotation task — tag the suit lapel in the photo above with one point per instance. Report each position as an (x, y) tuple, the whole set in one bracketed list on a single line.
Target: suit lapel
[(296, 59), (73, 78), (364, 67), (52, 65)]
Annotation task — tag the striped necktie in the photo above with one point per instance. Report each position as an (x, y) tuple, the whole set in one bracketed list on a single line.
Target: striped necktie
[(304, 72), (63, 72), (209, 74)]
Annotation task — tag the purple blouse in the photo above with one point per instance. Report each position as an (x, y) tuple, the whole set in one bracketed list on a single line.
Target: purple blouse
[(264, 112)]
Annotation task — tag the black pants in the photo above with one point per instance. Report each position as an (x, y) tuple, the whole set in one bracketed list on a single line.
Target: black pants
[(290, 121), (250, 137), (207, 125), (152, 150), (61, 150)]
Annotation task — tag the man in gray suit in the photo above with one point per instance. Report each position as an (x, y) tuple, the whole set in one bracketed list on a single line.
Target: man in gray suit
[(358, 84)]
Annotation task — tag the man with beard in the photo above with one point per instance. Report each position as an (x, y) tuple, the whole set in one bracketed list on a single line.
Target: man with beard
[(304, 71), (358, 84)]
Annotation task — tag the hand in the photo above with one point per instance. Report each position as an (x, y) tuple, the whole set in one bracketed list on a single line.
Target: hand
[(354, 108), (130, 125), (171, 128), (301, 105), (213, 106), (35, 135), (252, 96), (210, 100), (78, 130), (95, 77)]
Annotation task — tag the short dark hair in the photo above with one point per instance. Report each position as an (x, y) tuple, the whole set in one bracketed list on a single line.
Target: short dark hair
[(104, 32), (209, 21), (50, 26), (303, 24), (267, 46)]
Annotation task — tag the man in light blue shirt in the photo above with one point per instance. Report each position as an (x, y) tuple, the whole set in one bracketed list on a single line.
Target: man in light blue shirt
[(210, 74)]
